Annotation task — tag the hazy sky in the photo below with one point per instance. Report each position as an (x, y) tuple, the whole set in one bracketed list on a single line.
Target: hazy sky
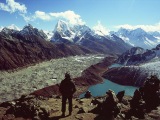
[(103, 14)]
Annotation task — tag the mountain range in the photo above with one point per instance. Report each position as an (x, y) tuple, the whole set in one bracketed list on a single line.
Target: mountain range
[(29, 46), (139, 38), (19, 48), (79, 34), (84, 36)]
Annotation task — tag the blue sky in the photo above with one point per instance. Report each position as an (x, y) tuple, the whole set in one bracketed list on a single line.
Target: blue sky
[(102, 14)]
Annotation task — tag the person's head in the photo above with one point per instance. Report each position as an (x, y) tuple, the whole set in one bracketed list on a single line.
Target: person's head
[(67, 76), (88, 92)]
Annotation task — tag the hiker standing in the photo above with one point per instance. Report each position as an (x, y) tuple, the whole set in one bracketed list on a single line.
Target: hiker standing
[(67, 89)]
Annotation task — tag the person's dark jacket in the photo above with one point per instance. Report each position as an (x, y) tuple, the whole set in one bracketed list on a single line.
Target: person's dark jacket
[(67, 87)]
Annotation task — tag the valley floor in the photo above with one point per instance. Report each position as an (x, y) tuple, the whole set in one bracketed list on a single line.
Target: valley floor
[(24, 81)]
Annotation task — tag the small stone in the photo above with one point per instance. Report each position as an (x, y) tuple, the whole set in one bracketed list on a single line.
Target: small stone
[(81, 102), (77, 99), (76, 106), (10, 116), (79, 117), (58, 97), (36, 118), (83, 110)]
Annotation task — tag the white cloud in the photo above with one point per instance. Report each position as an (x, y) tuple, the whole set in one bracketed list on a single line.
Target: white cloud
[(100, 29), (148, 28), (70, 16), (12, 6), (27, 18), (42, 15)]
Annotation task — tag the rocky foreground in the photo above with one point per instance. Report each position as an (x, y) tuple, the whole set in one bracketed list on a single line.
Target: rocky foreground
[(50, 109)]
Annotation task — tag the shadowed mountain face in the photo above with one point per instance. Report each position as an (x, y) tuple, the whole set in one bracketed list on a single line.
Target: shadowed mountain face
[(138, 55), (132, 76), (138, 65), (28, 46)]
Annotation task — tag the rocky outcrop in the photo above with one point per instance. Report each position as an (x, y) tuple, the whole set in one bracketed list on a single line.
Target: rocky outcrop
[(26, 107)]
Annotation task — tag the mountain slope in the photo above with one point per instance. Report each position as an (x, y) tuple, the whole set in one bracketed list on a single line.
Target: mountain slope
[(138, 65), (133, 75), (138, 55), (28, 46)]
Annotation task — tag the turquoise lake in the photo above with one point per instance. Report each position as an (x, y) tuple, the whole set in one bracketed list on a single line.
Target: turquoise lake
[(100, 89)]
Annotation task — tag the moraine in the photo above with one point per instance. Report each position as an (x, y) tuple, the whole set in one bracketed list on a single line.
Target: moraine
[(25, 81)]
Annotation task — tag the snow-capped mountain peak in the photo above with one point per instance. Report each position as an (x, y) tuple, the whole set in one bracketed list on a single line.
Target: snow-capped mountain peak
[(63, 29), (138, 37), (10, 29), (61, 26), (69, 32), (6, 30), (14, 27), (138, 31), (30, 30)]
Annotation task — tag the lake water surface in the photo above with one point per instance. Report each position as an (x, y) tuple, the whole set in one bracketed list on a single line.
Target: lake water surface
[(100, 89)]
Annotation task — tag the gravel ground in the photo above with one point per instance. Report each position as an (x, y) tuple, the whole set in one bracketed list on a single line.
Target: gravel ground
[(27, 80)]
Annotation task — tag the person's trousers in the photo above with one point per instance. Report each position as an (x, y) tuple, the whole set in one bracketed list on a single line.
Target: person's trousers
[(64, 99)]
